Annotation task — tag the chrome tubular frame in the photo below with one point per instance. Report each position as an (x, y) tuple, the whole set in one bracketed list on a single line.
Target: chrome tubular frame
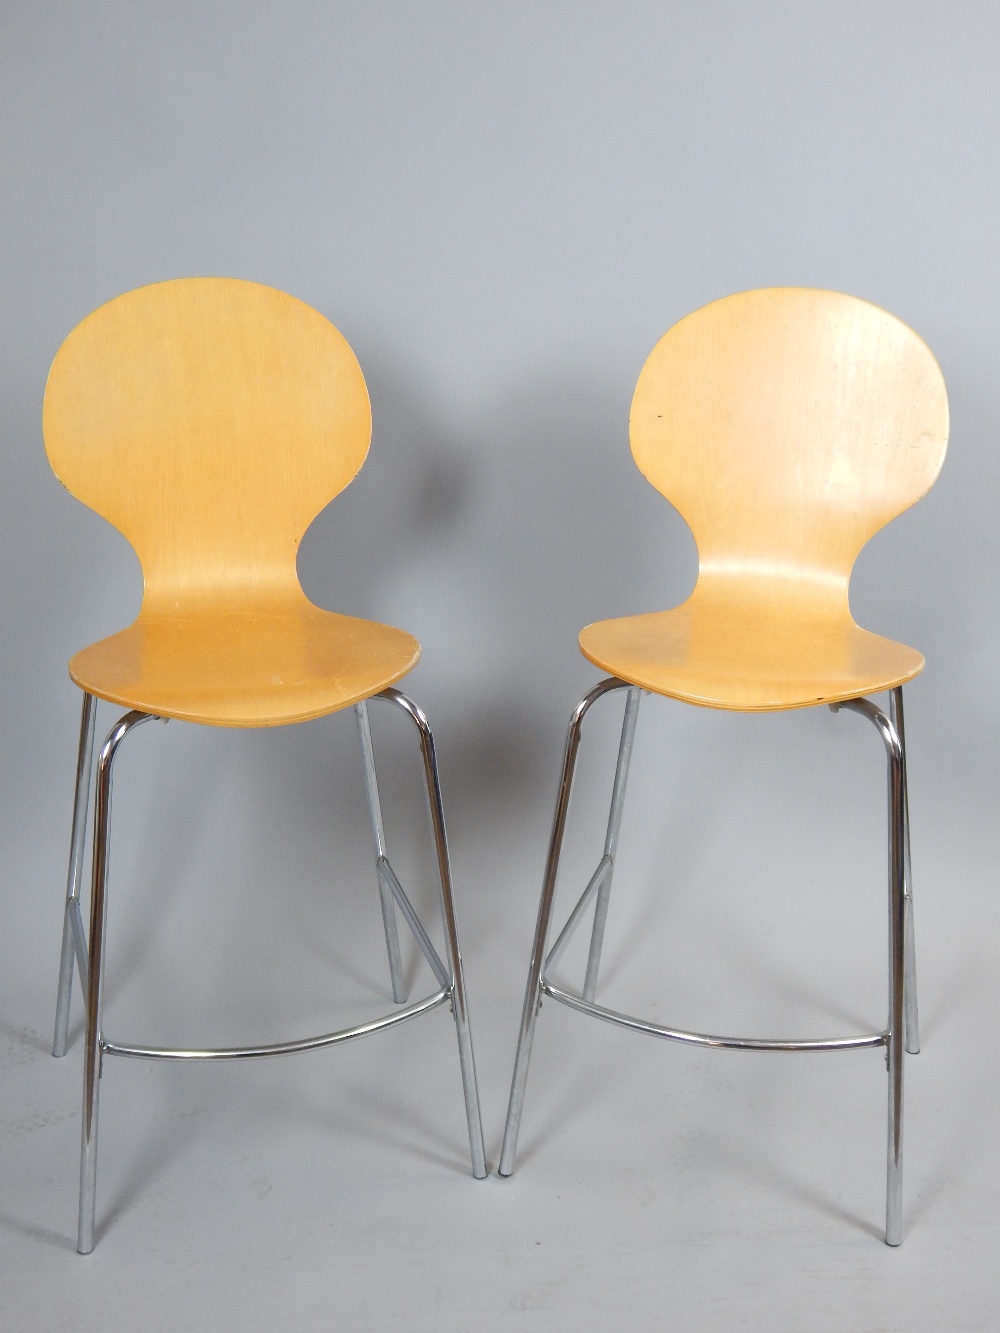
[(459, 1000), (74, 940), (378, 841), (450, 978), (898, 837), (611, 842), (902, 967), (533, 993), (93, 1045), (910, 962), (279, 1047)]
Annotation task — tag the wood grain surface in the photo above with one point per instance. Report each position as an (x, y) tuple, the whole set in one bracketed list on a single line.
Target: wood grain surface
[(210, 420), (787, 426)]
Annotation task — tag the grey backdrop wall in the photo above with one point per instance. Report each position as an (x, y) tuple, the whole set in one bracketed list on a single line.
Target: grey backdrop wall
[(502, 206)]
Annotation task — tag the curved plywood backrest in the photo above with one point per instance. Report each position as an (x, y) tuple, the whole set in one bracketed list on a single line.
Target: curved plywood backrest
[(787, 426), (209, 420)]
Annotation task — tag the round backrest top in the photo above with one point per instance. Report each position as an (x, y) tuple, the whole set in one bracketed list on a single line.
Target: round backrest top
[(210, 420), (788, 425)]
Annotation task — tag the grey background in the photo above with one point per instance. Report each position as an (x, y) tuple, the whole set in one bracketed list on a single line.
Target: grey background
[(503, 206)]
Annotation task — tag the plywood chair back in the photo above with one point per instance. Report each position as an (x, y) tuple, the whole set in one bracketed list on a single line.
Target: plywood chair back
[(209, 420), (787, 426)]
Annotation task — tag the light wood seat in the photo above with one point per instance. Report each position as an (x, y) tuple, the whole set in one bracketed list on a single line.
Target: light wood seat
[(712, 652), (257, 667), (787, 426), (210, 420)]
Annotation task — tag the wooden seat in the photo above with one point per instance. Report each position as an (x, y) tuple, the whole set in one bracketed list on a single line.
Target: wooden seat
[(787, 426), (210, 420), (709, 652), (254, 667)]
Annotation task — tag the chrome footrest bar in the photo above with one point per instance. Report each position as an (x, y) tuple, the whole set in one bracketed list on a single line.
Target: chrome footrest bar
[(282, 1047), (583, 1006)]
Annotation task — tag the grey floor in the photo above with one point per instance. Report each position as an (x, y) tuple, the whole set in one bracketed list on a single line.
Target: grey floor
[(672, 1187)]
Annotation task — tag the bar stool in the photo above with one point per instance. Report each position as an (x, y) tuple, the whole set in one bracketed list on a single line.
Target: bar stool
[(787, 426), (210, 420)]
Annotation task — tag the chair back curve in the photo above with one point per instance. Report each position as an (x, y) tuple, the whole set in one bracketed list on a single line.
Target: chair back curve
[(210, 420), (788, 425)]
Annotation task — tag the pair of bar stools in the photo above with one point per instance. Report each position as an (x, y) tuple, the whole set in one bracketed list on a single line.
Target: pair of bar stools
[(210, 420)]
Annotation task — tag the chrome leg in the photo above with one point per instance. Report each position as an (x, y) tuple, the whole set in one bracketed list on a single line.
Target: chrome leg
[(611, 842), (378, 842), (92, 1053), (910, 964), (897, 993), (533, 993), (460, 1006), (897, 970), (73, 934)]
